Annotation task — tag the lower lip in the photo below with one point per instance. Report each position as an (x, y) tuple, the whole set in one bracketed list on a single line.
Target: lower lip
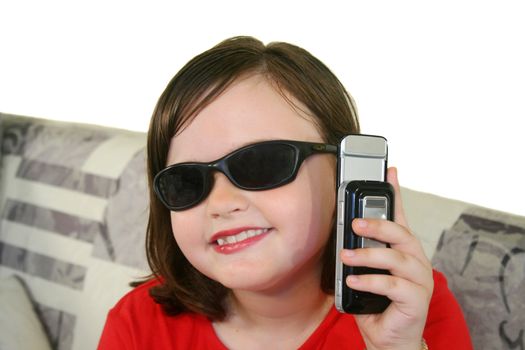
[(231, 248)]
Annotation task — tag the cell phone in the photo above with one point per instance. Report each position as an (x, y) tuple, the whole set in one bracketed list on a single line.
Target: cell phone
[(362, 193)]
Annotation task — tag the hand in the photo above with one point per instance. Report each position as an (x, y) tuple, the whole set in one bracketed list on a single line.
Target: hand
[(409, 286)]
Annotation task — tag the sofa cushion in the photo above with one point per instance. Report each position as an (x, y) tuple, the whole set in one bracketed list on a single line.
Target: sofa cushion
[(1, 136), (20, 327), (73, 210), (483, 257)]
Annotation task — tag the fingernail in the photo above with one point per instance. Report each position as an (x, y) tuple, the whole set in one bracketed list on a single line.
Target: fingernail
[(349, 253), (361, 223), (352, 279)]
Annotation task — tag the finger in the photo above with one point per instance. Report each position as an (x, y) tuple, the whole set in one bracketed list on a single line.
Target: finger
[(382, 230), (399, 211), (410, 298), (399, 264), (392, 233)]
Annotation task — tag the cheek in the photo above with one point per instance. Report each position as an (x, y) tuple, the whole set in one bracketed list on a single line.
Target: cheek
[(185, 228), (307, 205), (320, 191), (318, 181)]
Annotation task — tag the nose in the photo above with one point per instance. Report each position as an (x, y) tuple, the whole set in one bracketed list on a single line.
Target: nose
[(225, 198)]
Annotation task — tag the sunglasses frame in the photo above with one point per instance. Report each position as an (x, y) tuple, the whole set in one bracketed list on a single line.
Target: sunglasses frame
[(302, 151)]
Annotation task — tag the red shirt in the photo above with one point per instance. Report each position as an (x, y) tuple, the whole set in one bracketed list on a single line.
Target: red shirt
[(137, 322)]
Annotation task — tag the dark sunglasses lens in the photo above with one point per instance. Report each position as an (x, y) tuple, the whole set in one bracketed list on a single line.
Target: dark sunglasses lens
[(263, 166), (181, 186)]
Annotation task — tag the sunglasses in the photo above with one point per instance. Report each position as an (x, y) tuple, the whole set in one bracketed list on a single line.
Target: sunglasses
[(256, 167)]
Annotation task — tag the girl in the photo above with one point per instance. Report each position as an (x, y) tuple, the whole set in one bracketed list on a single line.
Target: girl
[(240, 237)]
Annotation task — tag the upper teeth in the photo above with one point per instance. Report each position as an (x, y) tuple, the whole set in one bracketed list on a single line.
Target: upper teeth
[(240, 236)]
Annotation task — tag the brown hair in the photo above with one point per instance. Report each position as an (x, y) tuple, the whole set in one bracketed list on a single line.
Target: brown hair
[(293, 71)]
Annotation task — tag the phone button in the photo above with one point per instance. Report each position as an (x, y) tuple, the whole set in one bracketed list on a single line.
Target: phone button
[(372, 243), (341, 213), (375, 207)]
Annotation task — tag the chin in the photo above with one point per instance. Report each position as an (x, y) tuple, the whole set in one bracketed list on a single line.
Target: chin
[(252, 281)]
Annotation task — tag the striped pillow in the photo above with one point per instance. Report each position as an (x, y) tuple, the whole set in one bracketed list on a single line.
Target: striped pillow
[(73, 211)]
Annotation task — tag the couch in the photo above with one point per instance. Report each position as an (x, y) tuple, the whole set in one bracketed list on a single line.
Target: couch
[(73, 211)]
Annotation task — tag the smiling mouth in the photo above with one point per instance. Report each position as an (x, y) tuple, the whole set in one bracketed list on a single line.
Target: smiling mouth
[(241, 236)]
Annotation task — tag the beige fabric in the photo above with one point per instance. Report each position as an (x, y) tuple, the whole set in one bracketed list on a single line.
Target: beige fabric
[(19, 325), (429, 215)]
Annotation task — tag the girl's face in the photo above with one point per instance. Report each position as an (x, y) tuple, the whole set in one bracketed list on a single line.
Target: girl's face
[(291, 223)]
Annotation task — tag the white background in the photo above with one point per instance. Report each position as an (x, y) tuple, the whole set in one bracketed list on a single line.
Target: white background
[(444, 81)]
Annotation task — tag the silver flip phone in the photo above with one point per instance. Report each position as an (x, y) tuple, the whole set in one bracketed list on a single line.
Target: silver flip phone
[(362, 193)]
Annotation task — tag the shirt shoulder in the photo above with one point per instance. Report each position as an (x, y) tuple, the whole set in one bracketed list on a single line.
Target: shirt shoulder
[(446, 327), (137, 299), (138, 322)]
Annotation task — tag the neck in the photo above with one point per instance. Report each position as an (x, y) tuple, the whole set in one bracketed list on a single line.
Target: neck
[(301, 298), (290, 313)]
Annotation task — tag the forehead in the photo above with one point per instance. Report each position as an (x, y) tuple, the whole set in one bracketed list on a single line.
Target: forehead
[(250, 110)]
